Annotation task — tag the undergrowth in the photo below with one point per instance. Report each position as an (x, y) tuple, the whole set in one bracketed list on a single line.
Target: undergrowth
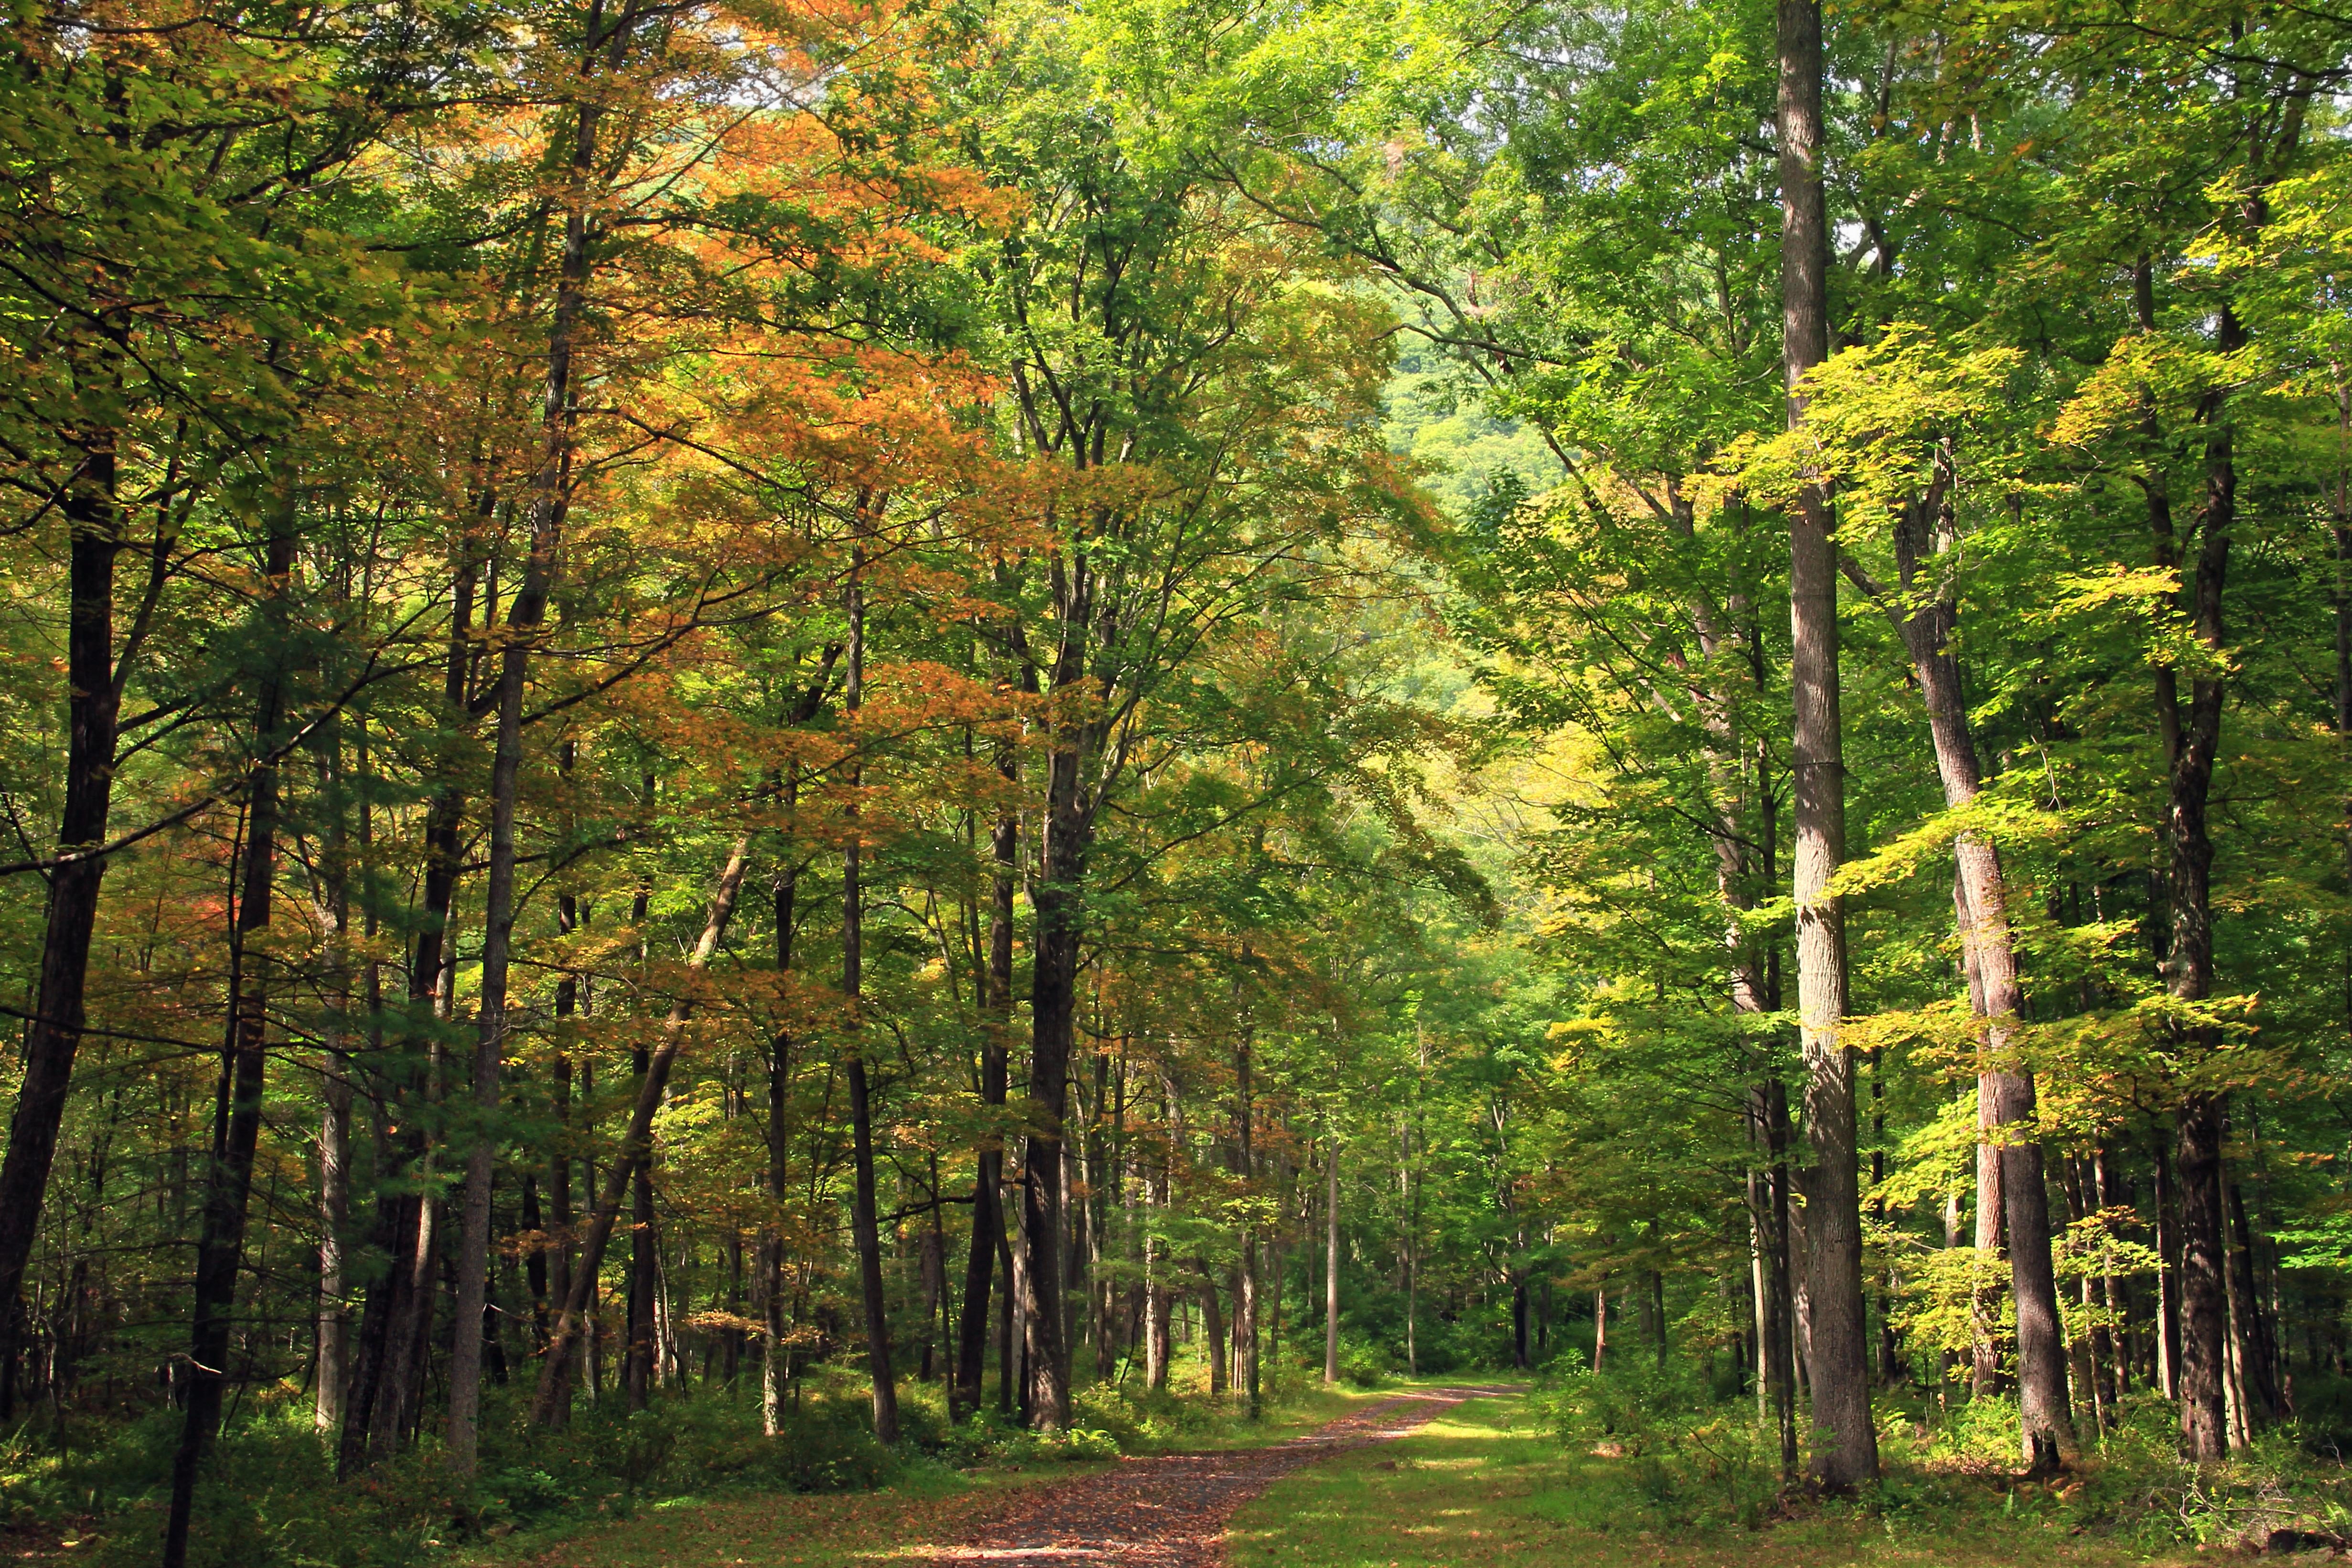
[(1684, 1458), (270, 1498)]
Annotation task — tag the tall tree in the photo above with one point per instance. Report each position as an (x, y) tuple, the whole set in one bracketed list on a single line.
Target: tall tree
[(1845, 1442)]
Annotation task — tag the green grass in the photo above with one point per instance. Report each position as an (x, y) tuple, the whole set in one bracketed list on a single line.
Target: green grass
[(923, 1506), (1486, 1484)]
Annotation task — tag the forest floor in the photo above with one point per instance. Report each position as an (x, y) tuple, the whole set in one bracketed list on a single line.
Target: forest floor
[(1424, 1475), (1162, 1510)]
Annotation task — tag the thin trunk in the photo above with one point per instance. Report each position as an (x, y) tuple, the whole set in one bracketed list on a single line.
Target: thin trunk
[(236, 1110), (1155, 1304), (2006, 1094), (2167, 1271), (2192, 734), (93, 705), (775, 1364), (775, 1358), (334, 1215), (1053, 1005), (2259, 1356), (638, 1350), (1212, 1319), (371, 1416), (550, 493), (637, 1371), (931, 1268), (988, 1182), (1331, 1263), (863, 1223), (331, 1353), (638, 1138), (1246, 1282)]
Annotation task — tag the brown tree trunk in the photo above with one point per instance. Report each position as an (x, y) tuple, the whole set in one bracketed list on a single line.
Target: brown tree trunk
[(1213, 1321), (863, 1223), (371, 1414), (559, 1173), (988, 1181), (93, 705), (555, 1369), (1053, 1014), (236, 1110), (1331, 1262), (2193, 734), (551, 495), (776, 1362), (2005, 1090), (331, 1351), (2259, 1355), (1246, 1280), (2168, 1273), (1775, 1300)]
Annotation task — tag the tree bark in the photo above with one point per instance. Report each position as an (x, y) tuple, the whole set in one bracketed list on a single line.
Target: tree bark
[(331, 1351), (775, 1363), (1331, 1262), (236, 1110), (863, 1223), (1055, 898), (1845, 1444), (93, 705), (988, 1181), (1245, 1292), (2259, 1354), (556, 1368), (1213, 1321), (2005, 1089), (2192, 734)]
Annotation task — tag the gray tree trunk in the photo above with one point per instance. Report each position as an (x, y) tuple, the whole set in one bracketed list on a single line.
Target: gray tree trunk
[(1845, 1444)]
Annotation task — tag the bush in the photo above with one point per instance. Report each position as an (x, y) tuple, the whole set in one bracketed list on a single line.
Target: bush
[(1691, 1459), (1364, 1361)]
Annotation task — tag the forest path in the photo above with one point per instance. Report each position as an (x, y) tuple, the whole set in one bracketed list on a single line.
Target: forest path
[(1170, 1511)]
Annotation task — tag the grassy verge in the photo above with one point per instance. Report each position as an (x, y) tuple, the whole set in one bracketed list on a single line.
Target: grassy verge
[(1491, 1484)]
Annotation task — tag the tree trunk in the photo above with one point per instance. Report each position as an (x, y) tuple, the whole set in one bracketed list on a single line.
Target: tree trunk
[(1246, 1280), (775, 1365), (372, 1415), (93, 705), (564, 1340), (334, 1214), (2005, 1090), (1331, 1262), (1212, 1320), (332, 1345), (988, 1181), (863, 1223), (1053, 1008), (236, 1110), (551, 495), (1845, 1444), (2192, 734), (568, 1000), (1991, 1207), (2167, 1274), (2259, 1355), (644, 1267)]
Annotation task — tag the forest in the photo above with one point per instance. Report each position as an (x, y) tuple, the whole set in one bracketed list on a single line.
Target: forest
[(754, 746)]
